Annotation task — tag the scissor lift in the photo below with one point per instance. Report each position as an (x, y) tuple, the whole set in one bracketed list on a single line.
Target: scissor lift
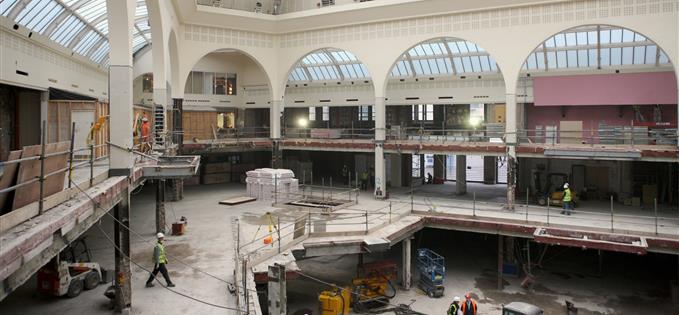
[(432, 272)]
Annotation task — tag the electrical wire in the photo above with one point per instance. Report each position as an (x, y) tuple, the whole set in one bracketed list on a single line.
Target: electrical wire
[(96, 204), (158, 280)]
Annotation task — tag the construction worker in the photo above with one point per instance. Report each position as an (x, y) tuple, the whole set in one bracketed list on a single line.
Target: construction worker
[(159, 261), (364, 180), (567, 200), (469, 305), (145, 134), (454, 308)]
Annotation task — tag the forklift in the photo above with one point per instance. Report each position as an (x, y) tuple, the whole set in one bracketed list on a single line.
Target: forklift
[(70, 272), (552, 189)]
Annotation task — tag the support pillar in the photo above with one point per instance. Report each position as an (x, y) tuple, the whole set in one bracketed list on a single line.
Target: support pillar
[(461, 174), (380, 137), (121, 235), (177, 123), (275, 117), (380, 171), (160, 206), (439, 166), (489, 170), (511, 141), (121, 19), (406, 273), (500, 261), (176, 189), (44, 104), (406, 169), (120, 84), (277, 296)]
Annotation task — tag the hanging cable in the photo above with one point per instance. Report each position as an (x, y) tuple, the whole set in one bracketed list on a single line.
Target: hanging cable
[(96, 204), (158, 280)]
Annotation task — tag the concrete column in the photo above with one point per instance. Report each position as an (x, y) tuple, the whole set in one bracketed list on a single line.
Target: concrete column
[(120, 87), (177, 123), (380, 136), (380, 170), (123, 276), (423, 174), (461, 174), (406, 273), (489, 170), (439, 166), (396, 173), (500, 261), (44, 103), (176, 189), (275, 116), (406, 169), (120, 20), (277, 289), (160, 206), (511, 140)]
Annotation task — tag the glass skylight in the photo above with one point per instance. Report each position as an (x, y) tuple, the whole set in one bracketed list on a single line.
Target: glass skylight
[(329, 65), (78, 25), (594, 47), (444, 57)]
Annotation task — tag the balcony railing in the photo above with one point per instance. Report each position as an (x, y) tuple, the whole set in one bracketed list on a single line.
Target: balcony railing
[(329, 133), (226, 134), (612, 136)]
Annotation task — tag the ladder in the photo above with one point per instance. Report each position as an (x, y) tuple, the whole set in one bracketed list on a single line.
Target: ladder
[(159, 125)]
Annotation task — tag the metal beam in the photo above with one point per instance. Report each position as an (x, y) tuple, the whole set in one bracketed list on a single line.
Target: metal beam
[(335, 63), (17, 9)]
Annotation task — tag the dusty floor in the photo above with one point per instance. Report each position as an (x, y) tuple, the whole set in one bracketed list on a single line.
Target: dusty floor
[(208, 246)]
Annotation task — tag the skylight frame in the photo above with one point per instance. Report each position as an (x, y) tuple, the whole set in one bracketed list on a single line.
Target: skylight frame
[(71, 23)]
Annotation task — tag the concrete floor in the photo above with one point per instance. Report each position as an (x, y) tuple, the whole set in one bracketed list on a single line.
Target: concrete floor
[(209, 246), (471, 263)]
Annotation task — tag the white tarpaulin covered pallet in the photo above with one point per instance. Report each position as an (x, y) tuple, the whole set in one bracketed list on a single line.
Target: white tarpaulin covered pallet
[(262, 182)]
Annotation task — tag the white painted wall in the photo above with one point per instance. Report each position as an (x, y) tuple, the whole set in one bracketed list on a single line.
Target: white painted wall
[(47, 64)]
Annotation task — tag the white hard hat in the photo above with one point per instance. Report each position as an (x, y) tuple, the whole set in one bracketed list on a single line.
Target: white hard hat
[(160, 235), (565, 185), (456, 299)]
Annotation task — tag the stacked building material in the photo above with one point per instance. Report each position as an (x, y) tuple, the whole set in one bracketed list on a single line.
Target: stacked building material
[(271, 184)]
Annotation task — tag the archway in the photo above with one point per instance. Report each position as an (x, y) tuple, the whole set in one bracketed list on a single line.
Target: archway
[(599, 89), (447, 90)]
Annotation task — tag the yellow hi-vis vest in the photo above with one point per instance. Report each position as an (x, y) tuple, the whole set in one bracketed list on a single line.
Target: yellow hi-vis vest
[(159, 254), (567, 194)]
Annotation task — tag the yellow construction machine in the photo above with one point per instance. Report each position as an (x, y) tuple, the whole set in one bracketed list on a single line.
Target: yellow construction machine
[(371, 289)]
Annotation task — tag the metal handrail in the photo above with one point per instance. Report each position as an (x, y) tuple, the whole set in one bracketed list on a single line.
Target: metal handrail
[(71, 165)]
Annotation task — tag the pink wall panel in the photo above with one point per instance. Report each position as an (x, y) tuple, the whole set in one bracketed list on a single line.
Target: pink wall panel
[(591, 116), (606, 89)]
